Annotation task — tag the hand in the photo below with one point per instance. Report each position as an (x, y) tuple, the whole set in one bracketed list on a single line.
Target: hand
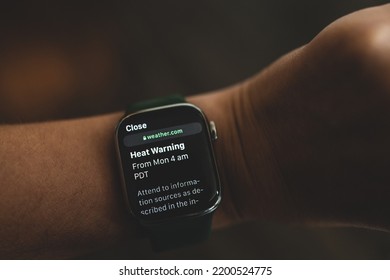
[(307, 140)]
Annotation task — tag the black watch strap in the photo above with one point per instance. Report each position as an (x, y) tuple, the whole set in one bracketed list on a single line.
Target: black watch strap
[(177, 233), (157, 102), (180, 233)]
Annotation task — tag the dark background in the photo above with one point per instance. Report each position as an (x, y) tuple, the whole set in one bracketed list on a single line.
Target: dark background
[(62, 59)]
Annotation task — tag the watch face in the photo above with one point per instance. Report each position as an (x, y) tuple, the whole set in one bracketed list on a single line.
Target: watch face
[(167, 163)]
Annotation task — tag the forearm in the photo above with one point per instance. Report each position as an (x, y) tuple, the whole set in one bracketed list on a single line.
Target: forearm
[(60, 194)]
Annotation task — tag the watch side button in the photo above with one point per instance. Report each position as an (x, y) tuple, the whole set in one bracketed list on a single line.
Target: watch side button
[(213, 131)]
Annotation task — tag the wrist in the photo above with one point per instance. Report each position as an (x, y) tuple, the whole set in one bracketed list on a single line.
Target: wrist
[(251, 185)]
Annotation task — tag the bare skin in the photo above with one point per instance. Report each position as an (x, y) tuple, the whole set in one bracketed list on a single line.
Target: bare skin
[(304, 141)]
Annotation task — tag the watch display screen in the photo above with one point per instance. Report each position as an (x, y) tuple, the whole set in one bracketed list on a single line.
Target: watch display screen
[(167, 163)]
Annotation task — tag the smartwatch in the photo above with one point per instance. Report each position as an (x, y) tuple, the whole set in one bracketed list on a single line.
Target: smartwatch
[(169, 173)]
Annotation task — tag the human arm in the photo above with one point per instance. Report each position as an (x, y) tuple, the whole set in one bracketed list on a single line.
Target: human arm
[(303, 141)]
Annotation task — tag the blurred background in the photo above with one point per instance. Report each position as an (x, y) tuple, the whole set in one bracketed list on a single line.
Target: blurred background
[(64, 59)]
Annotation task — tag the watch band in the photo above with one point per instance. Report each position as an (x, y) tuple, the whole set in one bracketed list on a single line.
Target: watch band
[(157, 102), (177, 233)]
